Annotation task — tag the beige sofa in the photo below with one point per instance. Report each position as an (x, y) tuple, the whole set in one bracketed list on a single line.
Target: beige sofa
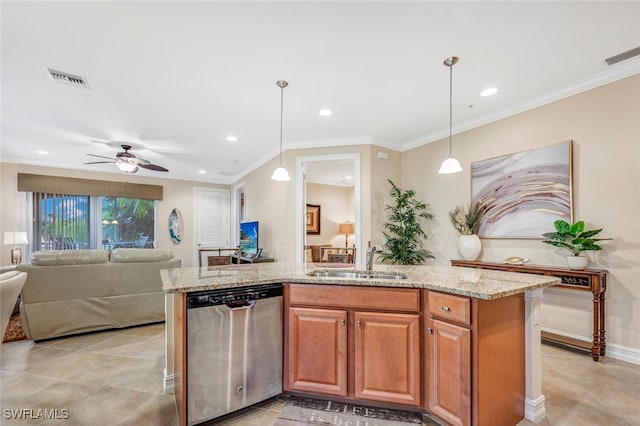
[(75, 291)]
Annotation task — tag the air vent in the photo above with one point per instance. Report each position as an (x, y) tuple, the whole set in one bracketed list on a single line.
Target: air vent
[(623, 56), (227, 173), (66, 78)]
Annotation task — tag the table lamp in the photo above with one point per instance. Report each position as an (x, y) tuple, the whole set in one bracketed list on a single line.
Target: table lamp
[(346, 229), (13, 238)]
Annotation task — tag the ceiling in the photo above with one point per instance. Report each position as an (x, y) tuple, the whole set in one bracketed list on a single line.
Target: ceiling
[(174, 79)]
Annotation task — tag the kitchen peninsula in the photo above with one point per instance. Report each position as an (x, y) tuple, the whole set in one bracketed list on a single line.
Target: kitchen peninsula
[(460, 344)]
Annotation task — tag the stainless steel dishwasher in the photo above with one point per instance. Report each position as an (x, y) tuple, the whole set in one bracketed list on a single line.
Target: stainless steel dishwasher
[(234, 349)]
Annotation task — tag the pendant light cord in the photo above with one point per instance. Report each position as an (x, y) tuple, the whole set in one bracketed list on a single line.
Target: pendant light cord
[(281, 112), (450, 106)]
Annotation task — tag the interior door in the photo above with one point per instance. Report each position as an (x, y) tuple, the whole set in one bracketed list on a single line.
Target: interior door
[(212, 218)]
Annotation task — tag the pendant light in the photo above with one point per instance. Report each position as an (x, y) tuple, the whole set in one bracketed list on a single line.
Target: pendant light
[(450, 164), (281, 174)]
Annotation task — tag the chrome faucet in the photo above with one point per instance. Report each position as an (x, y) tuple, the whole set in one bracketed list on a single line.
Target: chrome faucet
[(371, 250)]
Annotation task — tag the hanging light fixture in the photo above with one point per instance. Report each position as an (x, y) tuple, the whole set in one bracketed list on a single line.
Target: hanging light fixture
[(450, 164), (281, 174)]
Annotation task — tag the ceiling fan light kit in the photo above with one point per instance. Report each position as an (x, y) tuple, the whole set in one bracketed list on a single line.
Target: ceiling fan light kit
[(280, 174), (450, 164), (127, 162)]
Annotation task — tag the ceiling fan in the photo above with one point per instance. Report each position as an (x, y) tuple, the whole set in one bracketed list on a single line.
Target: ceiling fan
[(127, 162)]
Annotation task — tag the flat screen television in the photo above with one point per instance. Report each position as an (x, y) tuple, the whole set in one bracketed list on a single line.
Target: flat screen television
[(249, 238)]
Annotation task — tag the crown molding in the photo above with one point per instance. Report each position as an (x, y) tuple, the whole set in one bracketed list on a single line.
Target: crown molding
[(617, 72)]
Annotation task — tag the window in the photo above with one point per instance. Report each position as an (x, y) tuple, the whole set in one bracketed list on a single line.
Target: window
[(127, 222), (61, 222), (64, 222)]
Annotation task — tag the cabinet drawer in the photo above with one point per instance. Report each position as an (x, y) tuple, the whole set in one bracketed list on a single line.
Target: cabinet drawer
[(381, 298), (448, 306)]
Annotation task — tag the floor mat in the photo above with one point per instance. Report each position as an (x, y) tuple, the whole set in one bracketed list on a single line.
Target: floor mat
[(300, 411)]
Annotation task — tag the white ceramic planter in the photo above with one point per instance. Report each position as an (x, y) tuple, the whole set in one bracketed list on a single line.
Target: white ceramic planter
[(577, 262), (469, 246)]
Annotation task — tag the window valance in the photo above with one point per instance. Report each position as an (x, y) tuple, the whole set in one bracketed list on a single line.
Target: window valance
[(75, 186)]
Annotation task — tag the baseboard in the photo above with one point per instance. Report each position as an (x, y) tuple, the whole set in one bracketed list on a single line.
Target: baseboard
[(168, 383), (623, 353), (615, 351), (534, 409)]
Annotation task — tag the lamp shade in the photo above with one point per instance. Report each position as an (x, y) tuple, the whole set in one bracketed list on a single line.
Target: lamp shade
[(280, 174), (127, 167), (15, 237), (450, 165), (345, 228)]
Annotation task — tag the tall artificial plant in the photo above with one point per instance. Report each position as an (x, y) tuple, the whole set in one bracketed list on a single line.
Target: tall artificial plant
[(403, 230)]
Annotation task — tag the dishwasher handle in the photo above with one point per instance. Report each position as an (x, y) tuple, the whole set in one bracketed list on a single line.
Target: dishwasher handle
[(241, 304)]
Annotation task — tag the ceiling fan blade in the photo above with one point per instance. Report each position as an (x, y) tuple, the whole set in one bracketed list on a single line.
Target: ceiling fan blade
[(100, 156), (139, 161), (101, 162), (153, 167)]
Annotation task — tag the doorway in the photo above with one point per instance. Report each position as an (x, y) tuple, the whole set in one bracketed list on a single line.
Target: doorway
[(327, 175)]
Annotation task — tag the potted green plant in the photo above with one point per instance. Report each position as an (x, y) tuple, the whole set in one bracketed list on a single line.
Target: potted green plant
[(467, 223), (576, 239), (403, 231)]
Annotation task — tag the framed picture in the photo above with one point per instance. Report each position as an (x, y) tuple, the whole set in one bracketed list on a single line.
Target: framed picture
[(524, 193), (313, 219)]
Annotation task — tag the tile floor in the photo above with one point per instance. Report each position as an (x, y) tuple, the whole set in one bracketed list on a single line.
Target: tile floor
[(115, 378)]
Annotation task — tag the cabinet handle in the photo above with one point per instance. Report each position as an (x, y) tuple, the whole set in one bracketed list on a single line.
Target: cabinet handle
[(445, 308), (342, 323), (429, 330), (358, 323)]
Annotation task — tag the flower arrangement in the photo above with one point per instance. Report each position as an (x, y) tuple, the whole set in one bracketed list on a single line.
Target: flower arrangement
[(466, 223)]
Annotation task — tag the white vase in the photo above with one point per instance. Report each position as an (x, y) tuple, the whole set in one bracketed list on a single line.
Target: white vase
[(469, 246), (577, 262)]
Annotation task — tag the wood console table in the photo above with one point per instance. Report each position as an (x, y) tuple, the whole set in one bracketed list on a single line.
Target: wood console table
[(593, 280)]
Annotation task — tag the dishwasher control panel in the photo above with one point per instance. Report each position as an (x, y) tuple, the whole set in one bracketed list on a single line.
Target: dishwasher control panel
[(232, 295)]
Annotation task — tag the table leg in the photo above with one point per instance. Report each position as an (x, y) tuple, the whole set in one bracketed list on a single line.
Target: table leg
[(595, 349), (603, 344)]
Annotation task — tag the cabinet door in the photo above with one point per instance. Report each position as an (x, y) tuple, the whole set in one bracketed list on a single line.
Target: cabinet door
[(449, 372), (317, 352), (387, 364)]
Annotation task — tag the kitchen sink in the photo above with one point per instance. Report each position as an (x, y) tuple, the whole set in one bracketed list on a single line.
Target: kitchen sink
[(358, 274)]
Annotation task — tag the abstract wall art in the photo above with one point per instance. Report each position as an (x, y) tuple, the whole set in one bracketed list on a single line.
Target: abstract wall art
[(524, 193)]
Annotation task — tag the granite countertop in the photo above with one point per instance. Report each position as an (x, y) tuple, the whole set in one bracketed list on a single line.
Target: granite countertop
[(471, 282)]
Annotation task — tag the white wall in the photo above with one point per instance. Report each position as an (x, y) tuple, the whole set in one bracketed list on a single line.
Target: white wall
[(605, 127)]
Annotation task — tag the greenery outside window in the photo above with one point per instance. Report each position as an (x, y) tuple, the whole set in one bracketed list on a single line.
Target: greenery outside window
[(127, 222), (65, 222)]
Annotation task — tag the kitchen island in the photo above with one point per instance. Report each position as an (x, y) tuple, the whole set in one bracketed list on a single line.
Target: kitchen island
[(461, 344)]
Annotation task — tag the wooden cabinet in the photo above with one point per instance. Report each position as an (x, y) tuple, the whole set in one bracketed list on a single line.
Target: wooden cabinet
[(448, 372), (317, 351), (387, 357), (474, 355), (379, 328)]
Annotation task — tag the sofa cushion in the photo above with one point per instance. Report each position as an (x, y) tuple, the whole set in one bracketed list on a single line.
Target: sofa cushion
[(69, 257), (130, 255)]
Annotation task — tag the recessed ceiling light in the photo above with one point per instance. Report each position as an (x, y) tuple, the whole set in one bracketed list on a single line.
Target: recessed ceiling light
[(42, 152), (347, 177), (232, 138), (489, 91), (202, 172), (325, 112)]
